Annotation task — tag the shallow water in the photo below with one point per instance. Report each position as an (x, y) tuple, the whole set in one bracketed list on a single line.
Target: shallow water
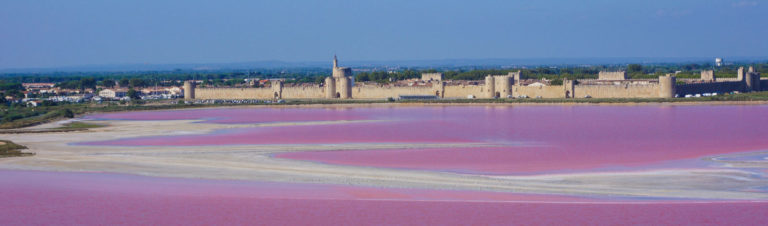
[(494, 141), (50, 198), (525, 140)]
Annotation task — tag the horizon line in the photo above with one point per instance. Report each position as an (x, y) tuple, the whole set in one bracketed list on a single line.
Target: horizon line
[(392, 63)]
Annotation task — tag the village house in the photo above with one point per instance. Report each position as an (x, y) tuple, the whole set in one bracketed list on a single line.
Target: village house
[(113, 93)]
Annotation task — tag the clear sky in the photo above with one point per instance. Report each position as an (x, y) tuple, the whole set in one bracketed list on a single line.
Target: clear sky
[(51, 33)]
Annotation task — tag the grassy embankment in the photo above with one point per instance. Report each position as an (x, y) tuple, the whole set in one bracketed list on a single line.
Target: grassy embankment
[(25, 117), (78, 126), (67, 127), (52, 113), (10, 149)]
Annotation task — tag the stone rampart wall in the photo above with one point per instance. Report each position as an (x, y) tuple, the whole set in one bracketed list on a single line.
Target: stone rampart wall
[(617, 91), (728, 79), (478, 91), (233, 93), (304, 92), (462, 91), (380, 92), (709, 87), (536, 91)]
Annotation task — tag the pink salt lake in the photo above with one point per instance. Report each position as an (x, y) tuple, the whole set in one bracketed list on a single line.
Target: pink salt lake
[(51, 198), (524, 140), (527, 139)]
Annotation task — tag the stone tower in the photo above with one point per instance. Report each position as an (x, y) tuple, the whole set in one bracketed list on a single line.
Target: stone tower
[(667, 87), (330, 87), (752, 80), (490, 86), (339, 85), (189, 90), (708, 75), (515, 77), (568, 86), (277, 89), (740, 74), (339, 72), (503, 85), (438, 87), (344, 88)]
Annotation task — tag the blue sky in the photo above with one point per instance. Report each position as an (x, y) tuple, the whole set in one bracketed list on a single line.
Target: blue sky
[(51, 33)]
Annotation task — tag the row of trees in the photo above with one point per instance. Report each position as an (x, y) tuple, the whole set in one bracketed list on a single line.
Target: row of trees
[(385, 77), (91, 83), (155, 76), (13, 89)]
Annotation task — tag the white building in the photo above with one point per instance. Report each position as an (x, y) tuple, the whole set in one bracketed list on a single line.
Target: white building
[(537, 84), (112, 93)]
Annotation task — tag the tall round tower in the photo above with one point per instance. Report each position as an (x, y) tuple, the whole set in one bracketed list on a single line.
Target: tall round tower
[(330, 88), (344, 88), (189, 90), (490, 90), (667, 87), (504, 87), (749, 80), (740, 74)]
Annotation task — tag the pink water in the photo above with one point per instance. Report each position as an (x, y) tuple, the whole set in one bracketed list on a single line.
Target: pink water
[(523, 140), (237, 115), (49, 198), (529, 139)]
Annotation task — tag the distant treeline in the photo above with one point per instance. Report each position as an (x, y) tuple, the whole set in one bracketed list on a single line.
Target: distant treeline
[(635, 71), (150, 76)]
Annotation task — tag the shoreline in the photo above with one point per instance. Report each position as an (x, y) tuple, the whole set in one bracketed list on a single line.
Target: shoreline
[(429, 104), (410, 104)]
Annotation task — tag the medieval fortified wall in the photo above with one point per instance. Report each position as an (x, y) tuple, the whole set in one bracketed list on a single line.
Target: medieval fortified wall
[(341, 85)]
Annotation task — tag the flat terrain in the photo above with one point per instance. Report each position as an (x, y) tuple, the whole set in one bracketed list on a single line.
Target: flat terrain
[(256, 162), (396, 164)]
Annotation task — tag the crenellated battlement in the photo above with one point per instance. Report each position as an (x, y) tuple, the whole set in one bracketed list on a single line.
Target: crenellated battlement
[(609, 85)]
